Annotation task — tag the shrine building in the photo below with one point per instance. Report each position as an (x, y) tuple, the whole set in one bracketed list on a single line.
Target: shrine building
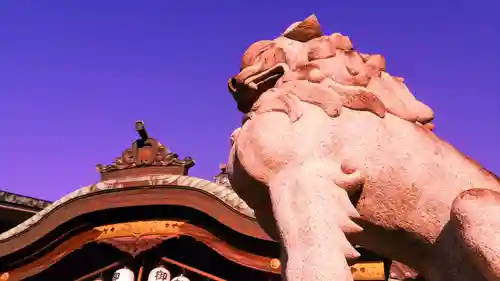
[(145, 220)]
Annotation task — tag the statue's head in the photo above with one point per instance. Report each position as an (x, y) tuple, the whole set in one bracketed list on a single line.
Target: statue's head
[(303, 52), (266, 61)]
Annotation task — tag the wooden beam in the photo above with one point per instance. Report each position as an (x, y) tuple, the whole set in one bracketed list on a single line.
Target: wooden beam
[(195, 270), (139, 275), (99, 271)]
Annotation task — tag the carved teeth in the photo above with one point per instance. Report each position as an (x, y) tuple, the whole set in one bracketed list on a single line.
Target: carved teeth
[(253, 86)]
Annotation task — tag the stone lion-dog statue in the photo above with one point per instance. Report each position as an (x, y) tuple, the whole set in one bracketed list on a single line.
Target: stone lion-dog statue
[(333, 151)]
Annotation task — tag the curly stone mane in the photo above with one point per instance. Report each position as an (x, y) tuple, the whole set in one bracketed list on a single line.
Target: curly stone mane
[(324, 70)]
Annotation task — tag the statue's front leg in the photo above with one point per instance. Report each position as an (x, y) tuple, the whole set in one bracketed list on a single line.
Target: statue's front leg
[(475, 216), (313, 215)]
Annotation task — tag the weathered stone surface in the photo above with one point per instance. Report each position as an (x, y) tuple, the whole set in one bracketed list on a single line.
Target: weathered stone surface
[(334, 149)]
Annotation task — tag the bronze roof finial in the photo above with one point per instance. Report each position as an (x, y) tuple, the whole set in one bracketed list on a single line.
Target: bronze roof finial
[(145, 156)]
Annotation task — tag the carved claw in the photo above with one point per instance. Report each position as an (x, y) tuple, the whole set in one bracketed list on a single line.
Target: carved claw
[(308, 207)]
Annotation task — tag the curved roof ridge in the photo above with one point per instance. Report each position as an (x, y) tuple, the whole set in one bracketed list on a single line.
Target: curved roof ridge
[(223, 192), (26, 201)]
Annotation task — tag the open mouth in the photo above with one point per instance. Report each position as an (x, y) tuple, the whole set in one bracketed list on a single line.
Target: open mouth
[(246, 91)]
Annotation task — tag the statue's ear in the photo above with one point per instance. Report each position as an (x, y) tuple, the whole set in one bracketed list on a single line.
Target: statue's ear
[(305, 30)]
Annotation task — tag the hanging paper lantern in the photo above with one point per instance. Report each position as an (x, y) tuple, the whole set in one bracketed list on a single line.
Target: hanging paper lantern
[(181, 278), (99, 279), (159, 274), (123, 274)]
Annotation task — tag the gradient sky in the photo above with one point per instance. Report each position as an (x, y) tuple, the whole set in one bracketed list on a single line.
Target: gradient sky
[(75, 75)]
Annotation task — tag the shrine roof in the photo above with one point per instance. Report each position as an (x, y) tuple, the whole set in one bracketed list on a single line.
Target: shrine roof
[(21, 200), (146, 175), (149, 181)]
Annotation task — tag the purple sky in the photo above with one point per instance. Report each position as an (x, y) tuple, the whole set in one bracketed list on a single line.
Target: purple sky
[(75, 75)]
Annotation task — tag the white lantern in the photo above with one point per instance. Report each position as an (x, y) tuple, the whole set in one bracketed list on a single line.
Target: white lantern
[(124, 274), (159, 274), (181, 278)]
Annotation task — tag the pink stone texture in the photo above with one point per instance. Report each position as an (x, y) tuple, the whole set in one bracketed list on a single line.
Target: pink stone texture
[(334, 151)]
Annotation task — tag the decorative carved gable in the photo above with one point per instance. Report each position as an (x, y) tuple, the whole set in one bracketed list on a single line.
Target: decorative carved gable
[(146, 156)]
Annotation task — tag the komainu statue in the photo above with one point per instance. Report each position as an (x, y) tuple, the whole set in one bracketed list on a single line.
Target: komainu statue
[(334, 151)]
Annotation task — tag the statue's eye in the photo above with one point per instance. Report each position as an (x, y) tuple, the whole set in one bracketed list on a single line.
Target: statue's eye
[(254, 52)]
